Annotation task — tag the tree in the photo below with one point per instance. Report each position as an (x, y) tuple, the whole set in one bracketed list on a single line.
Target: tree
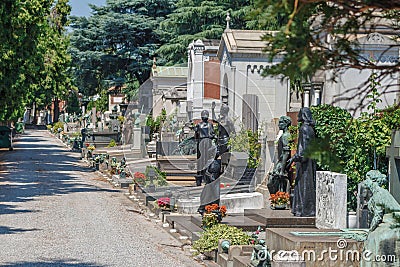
[(198, 19), (116, 43), (33, 57), (320, 35)]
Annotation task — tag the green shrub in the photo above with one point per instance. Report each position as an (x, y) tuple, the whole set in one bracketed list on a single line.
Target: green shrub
[(58, 125), (352, 146), (112, 143), (247, 141), (209, 239)]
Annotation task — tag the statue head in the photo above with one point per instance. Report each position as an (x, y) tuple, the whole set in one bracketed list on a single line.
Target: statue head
[(305, 116), (284, 122), (377, 177), (204, 115), (224, 110)]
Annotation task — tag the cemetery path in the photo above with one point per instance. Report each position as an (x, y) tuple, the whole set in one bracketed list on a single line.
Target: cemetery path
[(54, 211)]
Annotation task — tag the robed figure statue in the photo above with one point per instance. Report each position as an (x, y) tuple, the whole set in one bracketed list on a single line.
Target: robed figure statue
[(204, 134), (304, 199)]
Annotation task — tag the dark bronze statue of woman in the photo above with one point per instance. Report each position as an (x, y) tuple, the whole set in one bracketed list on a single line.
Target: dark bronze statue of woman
[(303, 203)]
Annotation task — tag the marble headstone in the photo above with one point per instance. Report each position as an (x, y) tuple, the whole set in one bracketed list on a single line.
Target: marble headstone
[(331, 203)]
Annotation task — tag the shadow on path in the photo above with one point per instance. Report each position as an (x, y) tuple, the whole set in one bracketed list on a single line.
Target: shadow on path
[(56, 263), (39, 166), (9, 230)]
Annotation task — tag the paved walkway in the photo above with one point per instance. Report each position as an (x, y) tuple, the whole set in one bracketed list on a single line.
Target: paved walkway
[(54, 211)]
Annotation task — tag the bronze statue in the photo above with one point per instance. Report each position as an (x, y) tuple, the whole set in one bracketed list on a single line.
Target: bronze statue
[(304, 199), (381, 202), (278, 179), (384, 231), (204, 134)]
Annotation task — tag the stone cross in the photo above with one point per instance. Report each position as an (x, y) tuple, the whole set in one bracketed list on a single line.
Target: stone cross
[(331, 204), (393, 153)]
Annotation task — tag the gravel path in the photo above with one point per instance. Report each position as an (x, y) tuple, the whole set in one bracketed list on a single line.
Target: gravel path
[(56, 212)]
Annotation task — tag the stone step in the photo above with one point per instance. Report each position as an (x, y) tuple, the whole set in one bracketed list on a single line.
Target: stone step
[(180, 178), (184, 225), (279, 218), (241, 261), (183, 183), (180, 172)]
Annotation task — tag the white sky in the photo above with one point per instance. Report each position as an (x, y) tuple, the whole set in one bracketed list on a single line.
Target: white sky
[(81, 7)]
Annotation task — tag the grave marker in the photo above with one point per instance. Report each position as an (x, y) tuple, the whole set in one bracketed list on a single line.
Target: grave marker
[(331, 204)]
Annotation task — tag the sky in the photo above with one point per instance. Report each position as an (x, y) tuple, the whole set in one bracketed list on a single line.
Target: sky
[(81, 7)]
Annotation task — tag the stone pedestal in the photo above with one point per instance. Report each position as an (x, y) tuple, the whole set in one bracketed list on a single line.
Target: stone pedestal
[(331, 201), (137, 138)]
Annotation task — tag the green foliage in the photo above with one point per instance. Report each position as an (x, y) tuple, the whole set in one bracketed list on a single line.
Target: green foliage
[(159, 180), (305, 27), (58, 125), (116, 44), (156, 124), (73, 105), (352, 146), (112, 143), (33, 58), (198, 19), (208, 240), (247, 141)]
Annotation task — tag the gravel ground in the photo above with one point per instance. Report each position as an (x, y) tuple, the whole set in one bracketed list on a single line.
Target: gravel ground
[(54, 211)]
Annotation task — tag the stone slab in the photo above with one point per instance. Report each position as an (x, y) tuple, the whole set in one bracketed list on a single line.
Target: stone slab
[(314, 250), (237, 220), (331, 202), (235, 203), (279, 218)]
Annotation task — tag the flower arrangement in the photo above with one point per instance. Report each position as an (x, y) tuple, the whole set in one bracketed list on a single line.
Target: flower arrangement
[(279, 198), (213, 215), (164, 202), (139, 178), (223, 185)]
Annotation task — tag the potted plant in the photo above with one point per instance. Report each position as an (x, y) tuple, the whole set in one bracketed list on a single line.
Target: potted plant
[(213, 215), (139, 178), (164, 203), (279, 200)]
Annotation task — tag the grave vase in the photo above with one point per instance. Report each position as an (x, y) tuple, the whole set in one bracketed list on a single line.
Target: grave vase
[(279, 206)]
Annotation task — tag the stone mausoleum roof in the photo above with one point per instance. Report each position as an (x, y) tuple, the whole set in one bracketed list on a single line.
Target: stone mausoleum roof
[(172, 71), (243, 41)]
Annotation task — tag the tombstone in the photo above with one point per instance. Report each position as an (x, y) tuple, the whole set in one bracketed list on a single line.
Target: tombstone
[(363, 215), (393, 153), (137, 138), (237, 164), (331, 202)]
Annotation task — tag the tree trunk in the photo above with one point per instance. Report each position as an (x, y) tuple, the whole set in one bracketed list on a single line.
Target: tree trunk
[(56, 111)]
